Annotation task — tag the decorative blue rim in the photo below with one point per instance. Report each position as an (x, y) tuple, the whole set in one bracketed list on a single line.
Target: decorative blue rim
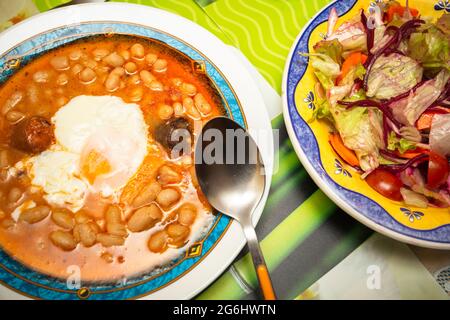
[(28, 282), (309, 145)]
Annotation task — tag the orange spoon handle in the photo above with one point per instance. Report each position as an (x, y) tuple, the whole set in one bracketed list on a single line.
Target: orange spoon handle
[(262, 273), (265, 282)]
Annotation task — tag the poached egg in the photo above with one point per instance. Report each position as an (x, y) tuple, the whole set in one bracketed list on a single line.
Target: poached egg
[(101, 141)]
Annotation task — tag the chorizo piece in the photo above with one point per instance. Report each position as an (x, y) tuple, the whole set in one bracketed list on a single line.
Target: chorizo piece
[(32, 135)]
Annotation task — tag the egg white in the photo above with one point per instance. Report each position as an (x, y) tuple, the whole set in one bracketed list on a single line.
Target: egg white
[(105, 124), (57, 173)]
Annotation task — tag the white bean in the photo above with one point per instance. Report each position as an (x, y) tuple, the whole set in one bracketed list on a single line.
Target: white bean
[(64, 240), (114, 223), (202, 105), (146, 77), (108, 257), (114, 59), (34, 215), (4, 159), (147, 194), (178, 109), (118, 71), (187, 214), (168, 197), (113, 214), (177, 82), (158, 241), (160, 65), (87, 76), (165, 111), (125, 54), (109, 240), (168, 175), (61, 101), (144, 218), (62, 79), (134, 79), (12, 101), (33, 94), (137, 51), (63, 219), (156, 86), (151, 58), (102, 70), (190, 108), (14, 195), (86, 233), (75, 55), (76, 69), (130, 67), (136, 94), (112, 83), (60, 63), (41, 76), (82, 217), (90, 64), (100, 53), (14, 116), (177, 233), (188, 89)]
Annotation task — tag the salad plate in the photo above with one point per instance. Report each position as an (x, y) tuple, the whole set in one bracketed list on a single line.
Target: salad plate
[(372, 184)]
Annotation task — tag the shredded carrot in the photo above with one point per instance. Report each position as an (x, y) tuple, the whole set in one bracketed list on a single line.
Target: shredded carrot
[(424, 122), (400, 11), (352, 61), (345, 153), (411, 153)]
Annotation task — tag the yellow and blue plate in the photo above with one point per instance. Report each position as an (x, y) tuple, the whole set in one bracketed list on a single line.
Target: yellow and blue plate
[(428, 227)]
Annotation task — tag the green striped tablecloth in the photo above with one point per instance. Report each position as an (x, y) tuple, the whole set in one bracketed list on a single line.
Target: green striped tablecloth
[(303, 233)]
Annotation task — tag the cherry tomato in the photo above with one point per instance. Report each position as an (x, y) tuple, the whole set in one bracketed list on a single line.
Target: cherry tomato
[(385, 183), (437, 170)]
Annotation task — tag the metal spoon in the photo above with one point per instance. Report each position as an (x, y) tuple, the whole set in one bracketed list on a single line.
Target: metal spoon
[(233, 180)]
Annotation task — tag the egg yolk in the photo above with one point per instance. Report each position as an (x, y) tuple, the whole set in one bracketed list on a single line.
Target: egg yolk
[(94, 165)]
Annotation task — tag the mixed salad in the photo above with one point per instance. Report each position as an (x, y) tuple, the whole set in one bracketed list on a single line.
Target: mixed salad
[(383, 83)]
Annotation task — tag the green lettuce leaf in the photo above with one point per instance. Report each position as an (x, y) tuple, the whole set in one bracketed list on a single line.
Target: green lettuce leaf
[(393, 75), (323, 63), (431, 49), (332, 48), (326, 82), (322, 111), (359, 130), (357, 72), (358, 95), (443, 24), (409, 109), (400, 144)]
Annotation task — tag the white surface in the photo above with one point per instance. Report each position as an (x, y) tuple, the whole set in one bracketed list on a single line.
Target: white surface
[(240, 80), (380, 268)]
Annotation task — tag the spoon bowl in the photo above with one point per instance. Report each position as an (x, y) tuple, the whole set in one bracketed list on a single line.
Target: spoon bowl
[(232, 177), (231, 174)]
